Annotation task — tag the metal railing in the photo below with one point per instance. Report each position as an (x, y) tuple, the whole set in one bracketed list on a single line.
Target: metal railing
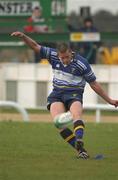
[(17, 107), (98, 108)]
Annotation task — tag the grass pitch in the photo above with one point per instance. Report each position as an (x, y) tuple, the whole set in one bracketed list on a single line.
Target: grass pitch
[(35, 151)]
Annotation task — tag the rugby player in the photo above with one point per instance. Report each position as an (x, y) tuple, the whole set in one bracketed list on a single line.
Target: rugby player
[(71, 72)]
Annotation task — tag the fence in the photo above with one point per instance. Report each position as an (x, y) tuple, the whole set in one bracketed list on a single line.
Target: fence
[(17, 107), (98, 108)]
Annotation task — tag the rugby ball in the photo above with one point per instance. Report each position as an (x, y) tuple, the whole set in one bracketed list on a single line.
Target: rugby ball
[(63, 119)]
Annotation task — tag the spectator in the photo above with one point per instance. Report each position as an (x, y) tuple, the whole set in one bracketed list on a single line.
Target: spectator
[(70, 26), (36, 22), (89, 49)]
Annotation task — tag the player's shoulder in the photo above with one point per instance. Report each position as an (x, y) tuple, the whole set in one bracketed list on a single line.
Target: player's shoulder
[(54, 56), (53, 51), (80, 58), (48, 51), (81, 61)]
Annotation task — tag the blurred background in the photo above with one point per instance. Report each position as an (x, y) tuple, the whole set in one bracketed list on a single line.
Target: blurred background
[(34, 151), (89, 26)]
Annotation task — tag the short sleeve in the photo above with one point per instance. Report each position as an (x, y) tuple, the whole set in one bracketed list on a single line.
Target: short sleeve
[(45, 52), (89, 74)]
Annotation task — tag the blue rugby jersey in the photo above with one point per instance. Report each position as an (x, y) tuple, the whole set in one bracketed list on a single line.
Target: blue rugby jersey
[(68, 77)]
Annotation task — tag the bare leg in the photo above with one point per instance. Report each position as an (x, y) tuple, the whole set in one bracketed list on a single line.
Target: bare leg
[(56, 109)]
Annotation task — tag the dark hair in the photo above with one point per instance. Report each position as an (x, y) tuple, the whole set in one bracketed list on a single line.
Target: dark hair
[(63, 47), (88, 19)]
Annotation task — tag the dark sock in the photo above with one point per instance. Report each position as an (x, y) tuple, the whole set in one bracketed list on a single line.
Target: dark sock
[(79, 129), (68, 136), (79, 132)]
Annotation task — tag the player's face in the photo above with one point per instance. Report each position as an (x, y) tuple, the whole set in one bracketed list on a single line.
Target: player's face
[(65, 57)]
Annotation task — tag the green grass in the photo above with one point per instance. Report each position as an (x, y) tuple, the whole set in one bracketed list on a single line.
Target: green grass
[(35, 151)]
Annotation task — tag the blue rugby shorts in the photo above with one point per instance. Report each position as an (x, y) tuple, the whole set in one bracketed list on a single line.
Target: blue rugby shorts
[(66, 97)]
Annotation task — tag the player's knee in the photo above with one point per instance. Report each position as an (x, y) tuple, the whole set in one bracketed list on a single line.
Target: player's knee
[(76, 115), (79, 123)]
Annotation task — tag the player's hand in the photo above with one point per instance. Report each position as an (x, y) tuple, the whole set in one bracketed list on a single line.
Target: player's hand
[(114, 103), (18, 34)]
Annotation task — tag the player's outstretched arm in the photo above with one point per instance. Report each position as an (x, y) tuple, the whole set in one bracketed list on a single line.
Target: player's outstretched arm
[(30, 42), (98, 89)]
